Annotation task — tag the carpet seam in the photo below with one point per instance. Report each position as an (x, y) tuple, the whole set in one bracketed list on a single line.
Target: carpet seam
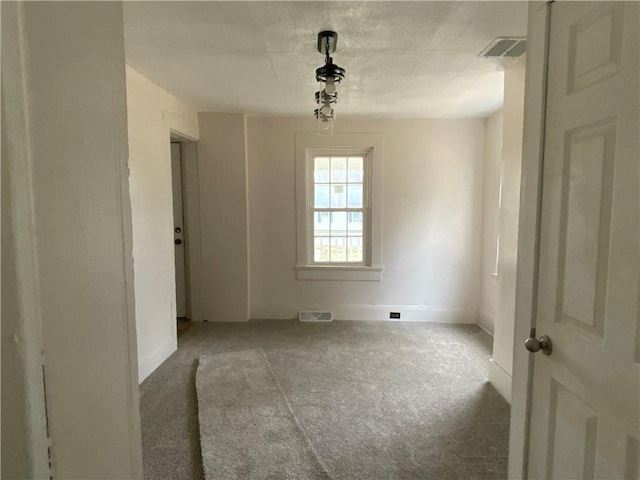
[(295, 417)]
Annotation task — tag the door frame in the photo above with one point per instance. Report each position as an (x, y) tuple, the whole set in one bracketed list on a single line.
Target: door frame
[(186, 314), (191, 218), (18, 210), (539, 15), (42, 359)]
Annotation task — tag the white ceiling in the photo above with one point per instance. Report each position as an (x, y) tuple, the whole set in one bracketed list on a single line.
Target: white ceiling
[(403, 59)]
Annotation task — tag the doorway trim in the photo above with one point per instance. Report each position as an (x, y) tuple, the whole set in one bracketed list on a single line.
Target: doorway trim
[(529, 231), (191, 212)]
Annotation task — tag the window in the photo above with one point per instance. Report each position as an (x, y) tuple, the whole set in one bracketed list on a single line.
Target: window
[(339, 194), (339, 207)]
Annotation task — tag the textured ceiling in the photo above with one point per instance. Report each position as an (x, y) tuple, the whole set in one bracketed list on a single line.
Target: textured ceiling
[(403, 59)]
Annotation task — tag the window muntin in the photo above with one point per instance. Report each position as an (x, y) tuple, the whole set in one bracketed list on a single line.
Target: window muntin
[(339, 207)]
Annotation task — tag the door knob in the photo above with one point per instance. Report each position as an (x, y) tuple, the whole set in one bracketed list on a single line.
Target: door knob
[(534, 344), (177, 241)]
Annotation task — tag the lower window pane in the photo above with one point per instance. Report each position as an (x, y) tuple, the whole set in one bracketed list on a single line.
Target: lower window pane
[(321, 249), (321, 224), (355, 224), (355, 249), (338, 249), (338, 224)]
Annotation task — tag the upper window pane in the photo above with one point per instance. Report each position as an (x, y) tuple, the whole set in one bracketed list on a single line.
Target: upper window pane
[(321, 196), (356, 170), (338, 169), (355, 196), (338, 195), (321, 170)]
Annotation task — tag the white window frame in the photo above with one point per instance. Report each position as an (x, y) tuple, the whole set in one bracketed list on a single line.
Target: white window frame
[(309, 145), (365, 209)]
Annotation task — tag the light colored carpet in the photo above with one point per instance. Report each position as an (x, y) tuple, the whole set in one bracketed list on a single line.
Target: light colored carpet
[(378, 400), (247, 428)]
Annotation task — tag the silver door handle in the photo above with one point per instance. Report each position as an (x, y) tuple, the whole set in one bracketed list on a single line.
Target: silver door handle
[(534, 344)]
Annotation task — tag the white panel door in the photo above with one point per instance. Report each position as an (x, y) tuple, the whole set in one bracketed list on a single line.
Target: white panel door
[(178, 230), (585, 396)]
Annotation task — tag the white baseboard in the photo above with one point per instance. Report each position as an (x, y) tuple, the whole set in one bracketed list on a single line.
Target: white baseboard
[(500, 380), (149, 362), (486, 322), (408, 313)]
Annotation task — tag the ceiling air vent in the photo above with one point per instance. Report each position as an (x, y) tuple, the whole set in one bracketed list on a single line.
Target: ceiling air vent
[(509, 47)]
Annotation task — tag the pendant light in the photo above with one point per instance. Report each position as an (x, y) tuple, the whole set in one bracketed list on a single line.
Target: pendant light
[(328, 77)]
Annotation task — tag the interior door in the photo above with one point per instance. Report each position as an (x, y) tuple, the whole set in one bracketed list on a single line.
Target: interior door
[(585, 396), (178, 230)]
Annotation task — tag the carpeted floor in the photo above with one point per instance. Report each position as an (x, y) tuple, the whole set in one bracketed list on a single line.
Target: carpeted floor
[(247, 426), (377, 400)]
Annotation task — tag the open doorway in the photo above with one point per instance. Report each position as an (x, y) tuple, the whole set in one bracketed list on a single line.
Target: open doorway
[(178, 230), (181, 150)]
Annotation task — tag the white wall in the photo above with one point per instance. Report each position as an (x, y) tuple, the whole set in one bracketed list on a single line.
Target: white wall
[(222, 164), (432, 223), (74, 262), (501, 369), (24, 442), (492, 171), (15, 426), (152, 115)]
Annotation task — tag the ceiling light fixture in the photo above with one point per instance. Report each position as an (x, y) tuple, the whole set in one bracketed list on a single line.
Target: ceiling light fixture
[(328, 77)]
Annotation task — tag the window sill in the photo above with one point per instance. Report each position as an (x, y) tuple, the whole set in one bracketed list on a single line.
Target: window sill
[(339, 272)]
